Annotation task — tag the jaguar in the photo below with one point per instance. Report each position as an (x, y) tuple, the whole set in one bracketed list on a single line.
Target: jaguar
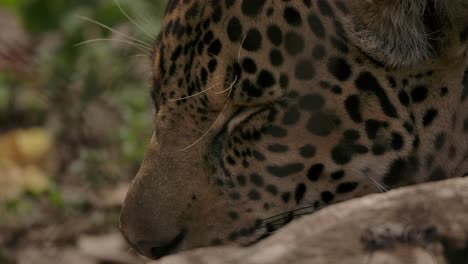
[(266, 111)]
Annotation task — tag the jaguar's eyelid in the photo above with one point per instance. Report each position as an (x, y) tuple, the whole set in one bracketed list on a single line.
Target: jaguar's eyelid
[(241, 116)]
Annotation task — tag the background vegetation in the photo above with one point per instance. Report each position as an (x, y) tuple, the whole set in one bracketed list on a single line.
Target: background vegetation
[(74, 123)]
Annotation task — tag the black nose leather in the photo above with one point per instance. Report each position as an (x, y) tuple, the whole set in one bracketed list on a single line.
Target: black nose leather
[(158, 250)]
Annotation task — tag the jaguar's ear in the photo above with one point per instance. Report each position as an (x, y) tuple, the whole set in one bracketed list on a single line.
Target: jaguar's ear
[(407, 32)]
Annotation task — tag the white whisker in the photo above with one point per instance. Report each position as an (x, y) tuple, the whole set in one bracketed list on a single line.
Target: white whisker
[(240, 49), (132, 20), (215, 122), (380, 186), (193, 95), (211, 54), (229, 88), (116, 31), (136, 45), (139, 55)]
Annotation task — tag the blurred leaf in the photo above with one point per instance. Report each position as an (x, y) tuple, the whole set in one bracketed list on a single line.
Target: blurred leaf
[(55, 197), (18, 206), (10, 4), (41, 16), (4, 96), (109, 14)]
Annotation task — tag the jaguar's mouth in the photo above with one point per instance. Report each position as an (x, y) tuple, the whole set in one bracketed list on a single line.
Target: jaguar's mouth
[(158, 252)]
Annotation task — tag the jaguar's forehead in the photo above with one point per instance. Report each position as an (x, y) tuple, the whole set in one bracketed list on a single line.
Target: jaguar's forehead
[(257, 45), (262, 48)]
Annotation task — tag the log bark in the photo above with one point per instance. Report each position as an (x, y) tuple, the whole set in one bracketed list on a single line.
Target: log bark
[(420, 224)]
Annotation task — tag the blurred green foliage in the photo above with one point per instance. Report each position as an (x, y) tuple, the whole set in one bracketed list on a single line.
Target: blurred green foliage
[(93, 98), (71, 78), (42, 16)]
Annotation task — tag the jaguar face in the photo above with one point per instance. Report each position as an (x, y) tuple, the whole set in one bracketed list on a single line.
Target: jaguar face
[(270, 110)]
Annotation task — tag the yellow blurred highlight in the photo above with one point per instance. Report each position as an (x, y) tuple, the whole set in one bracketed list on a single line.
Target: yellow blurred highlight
[(26, 146), (23, 154), (35, 180), (11, 181)]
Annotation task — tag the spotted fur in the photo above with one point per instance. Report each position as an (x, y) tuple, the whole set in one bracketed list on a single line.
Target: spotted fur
[(270, 110)]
